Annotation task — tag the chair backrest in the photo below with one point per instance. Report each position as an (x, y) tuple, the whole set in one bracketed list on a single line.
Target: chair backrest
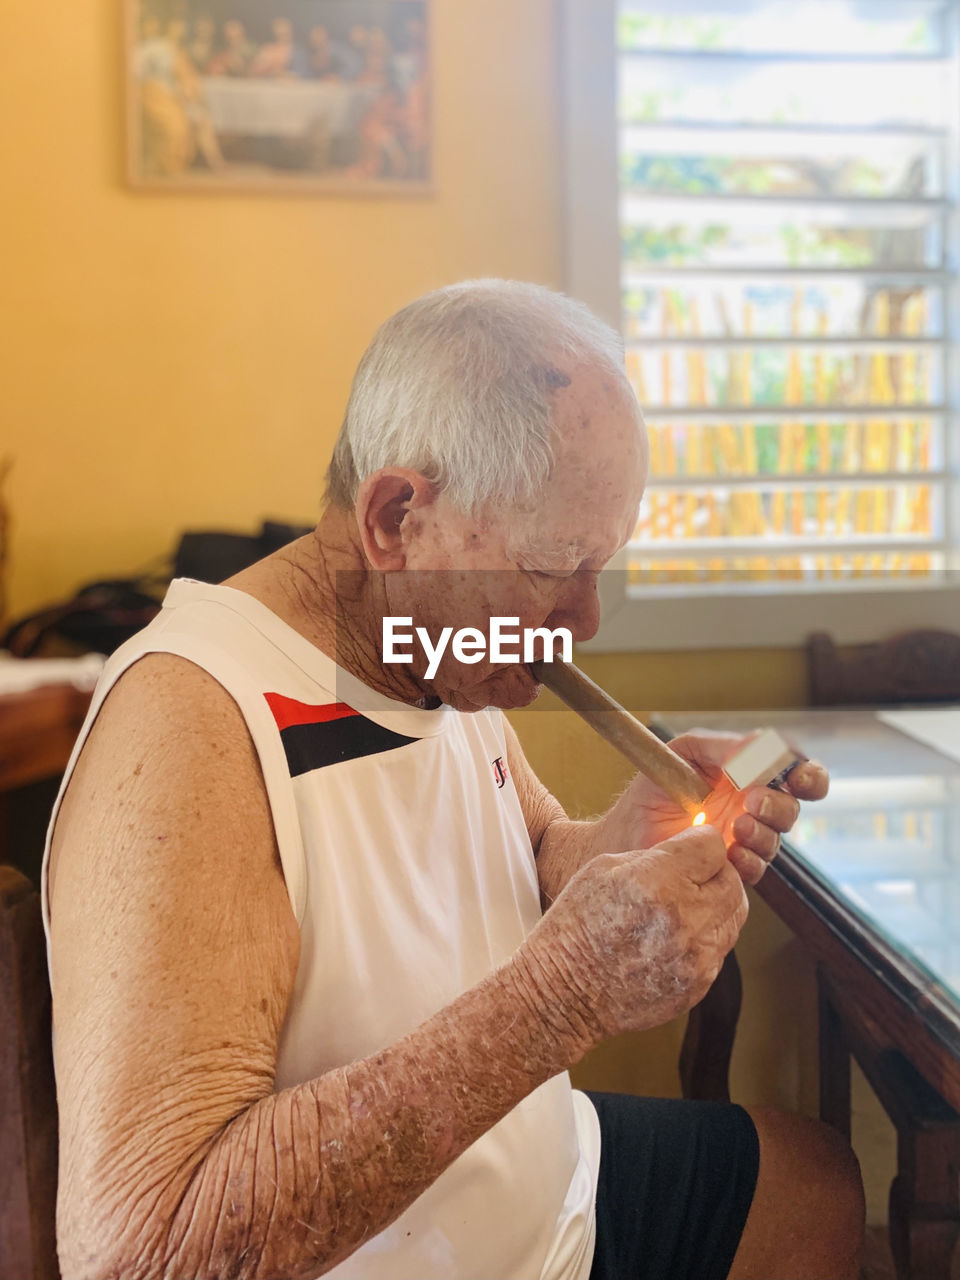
[(915, 666), (28, 1099)]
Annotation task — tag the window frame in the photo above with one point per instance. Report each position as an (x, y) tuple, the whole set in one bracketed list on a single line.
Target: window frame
[(748, 616)]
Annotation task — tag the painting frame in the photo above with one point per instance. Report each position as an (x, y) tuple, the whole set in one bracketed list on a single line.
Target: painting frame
[(347, 116)]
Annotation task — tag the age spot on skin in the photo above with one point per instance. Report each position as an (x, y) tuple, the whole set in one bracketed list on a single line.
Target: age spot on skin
[(553, 379)]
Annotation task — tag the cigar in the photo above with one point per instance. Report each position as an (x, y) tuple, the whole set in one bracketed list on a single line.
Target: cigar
[(672, 774)]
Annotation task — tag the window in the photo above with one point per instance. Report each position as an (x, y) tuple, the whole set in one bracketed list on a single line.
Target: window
[(762, 196)]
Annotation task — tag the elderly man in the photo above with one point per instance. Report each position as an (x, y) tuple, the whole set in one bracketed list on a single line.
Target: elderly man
[(311, 1015)]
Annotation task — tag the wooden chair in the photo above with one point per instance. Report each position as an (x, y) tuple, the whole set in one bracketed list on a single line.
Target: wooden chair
[(28, 1099), (915, 666)]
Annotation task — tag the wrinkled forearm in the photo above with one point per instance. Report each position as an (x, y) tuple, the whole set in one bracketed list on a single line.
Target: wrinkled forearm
[(565, 846), (301, 1178)]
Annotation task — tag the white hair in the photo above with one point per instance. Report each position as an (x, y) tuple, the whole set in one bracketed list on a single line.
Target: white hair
[(458, 386)]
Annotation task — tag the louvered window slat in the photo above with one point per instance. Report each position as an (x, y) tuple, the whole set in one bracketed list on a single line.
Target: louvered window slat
[(788, 225)]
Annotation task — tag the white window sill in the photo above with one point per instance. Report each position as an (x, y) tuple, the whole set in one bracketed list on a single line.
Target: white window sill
[(657, 619)]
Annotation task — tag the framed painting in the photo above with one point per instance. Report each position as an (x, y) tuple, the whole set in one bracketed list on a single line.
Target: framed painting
[(319, 95)]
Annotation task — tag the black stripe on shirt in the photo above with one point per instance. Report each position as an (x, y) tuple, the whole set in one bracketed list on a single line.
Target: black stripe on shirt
[(314, 746)]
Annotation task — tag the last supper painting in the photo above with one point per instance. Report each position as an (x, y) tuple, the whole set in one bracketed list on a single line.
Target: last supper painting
[(319, 95)]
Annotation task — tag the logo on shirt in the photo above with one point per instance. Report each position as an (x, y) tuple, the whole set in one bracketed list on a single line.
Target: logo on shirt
[(499, 772)]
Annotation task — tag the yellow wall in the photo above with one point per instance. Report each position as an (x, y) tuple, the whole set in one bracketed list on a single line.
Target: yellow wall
[(183, 360)]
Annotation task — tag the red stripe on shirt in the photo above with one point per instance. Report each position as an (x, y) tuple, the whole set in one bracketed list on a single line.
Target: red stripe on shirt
[(287, 711)]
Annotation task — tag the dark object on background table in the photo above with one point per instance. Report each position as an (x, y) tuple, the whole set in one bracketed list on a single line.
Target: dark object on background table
[(98, 619), (915, 666), (211, 557), (28, 1098), (104, 615)]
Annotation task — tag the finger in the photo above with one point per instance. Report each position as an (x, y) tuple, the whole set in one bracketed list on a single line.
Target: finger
[(809, 781), (776, 809), (756, 836), (747, 864), (699, 852), (732, 906), (722, 897)]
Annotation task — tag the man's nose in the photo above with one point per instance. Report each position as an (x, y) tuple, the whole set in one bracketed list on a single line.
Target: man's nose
[(578, 608)]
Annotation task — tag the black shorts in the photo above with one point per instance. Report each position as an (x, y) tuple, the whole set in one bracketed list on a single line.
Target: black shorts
[(676, 1184)]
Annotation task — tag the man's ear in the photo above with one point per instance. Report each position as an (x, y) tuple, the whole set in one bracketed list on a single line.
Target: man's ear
[(383, 502)]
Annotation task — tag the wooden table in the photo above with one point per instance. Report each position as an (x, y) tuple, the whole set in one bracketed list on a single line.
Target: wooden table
[(37, 732), (870, 884)]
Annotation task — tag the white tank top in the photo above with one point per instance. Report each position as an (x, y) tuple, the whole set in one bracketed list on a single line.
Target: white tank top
[(411, 875)]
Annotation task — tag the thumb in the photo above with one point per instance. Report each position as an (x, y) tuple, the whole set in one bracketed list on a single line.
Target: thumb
[(698, 852)]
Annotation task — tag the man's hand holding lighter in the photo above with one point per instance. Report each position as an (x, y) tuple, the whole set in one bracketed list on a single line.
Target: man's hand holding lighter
[(750, 821)]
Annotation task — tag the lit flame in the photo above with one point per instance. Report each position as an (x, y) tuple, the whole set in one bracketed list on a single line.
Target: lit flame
[(700, 819)]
